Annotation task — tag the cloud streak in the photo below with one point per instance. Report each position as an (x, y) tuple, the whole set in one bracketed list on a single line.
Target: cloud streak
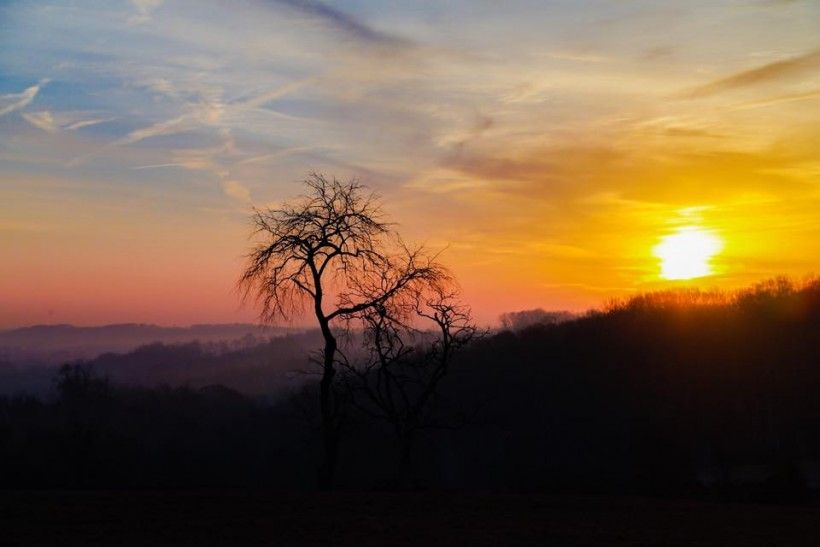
[(145, 8), (344, 23), (771, 72), (17, 101), (42, 120), (208, 113), (168, 127), (792, 97), (50, 123), (86, 123)]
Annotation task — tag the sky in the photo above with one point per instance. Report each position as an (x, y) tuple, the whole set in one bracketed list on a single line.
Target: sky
[(549, 147)]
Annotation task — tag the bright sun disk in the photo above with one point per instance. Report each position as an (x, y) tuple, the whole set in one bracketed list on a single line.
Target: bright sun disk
[(686, 254)]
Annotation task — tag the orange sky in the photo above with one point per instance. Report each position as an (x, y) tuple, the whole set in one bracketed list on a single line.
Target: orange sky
[(548, 148)]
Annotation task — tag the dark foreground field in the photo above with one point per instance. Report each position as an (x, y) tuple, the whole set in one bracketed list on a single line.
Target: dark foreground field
[(264, 518)]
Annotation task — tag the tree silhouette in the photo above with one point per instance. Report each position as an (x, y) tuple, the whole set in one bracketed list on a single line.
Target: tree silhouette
[(410, 340), (330, 250)]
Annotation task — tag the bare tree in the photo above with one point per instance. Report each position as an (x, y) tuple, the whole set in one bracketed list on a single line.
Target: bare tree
[(410, 340), (332, 251)]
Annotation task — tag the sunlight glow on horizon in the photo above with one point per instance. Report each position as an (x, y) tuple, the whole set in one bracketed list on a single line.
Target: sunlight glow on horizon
[(687, 253)]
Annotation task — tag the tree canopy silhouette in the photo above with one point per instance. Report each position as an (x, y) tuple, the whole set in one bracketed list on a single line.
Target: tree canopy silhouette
[(331, 250)]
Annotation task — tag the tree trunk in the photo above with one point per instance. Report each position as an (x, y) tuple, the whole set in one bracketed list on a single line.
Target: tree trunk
[(405, 470), (330, 432)]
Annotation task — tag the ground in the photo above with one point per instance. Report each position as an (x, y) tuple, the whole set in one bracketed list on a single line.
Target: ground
[(272, 518)]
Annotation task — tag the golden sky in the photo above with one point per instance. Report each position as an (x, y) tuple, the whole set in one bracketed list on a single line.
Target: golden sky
[(549, 146)]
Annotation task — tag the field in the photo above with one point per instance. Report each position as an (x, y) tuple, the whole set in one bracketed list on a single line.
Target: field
[(272, 518)]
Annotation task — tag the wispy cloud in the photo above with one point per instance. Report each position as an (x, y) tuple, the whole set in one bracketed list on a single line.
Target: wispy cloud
[(145, 9), (236, 190), (208, 113), (217, 160), (272, 95), (275, 155), (168, 127), (52, 123), (771, 72), (16, 101), (42, 120), (156, 166), (86, 123), (792, 97), (344, 22)]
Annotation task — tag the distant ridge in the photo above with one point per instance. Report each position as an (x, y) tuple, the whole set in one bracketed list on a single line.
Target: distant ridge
[(57, 327), (48, 344)]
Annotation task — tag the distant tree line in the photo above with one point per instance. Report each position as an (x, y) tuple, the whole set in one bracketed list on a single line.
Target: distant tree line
[(520, 320)]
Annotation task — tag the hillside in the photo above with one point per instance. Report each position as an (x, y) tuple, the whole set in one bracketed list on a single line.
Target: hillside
[(683, 392)]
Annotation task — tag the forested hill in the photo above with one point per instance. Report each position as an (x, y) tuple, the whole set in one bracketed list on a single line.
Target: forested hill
[(665, 389)]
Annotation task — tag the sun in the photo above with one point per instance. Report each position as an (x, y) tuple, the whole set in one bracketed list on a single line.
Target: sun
[(686, 254)]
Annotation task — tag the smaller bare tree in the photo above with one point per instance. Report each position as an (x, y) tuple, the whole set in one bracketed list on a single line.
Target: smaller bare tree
[(332, 252), (410, 341)]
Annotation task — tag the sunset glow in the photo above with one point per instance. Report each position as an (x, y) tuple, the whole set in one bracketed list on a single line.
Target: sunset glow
[(545, 147), (687, 253)]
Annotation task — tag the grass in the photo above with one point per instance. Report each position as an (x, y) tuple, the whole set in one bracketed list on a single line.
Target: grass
[(272, 518)]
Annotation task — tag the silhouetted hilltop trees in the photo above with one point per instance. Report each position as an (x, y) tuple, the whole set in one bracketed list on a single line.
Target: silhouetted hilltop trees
[(675, 392), (663, 390), (519, 320)]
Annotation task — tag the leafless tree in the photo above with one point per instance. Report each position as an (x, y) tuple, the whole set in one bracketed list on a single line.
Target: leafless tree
[(410, 340), (332, 251)]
